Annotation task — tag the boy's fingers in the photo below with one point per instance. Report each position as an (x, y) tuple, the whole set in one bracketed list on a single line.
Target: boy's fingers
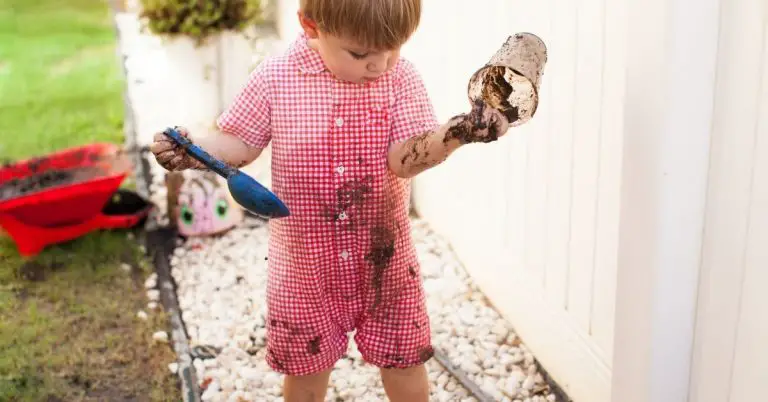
[(164, 158), (161, 147), (177, 163), (183, 131)]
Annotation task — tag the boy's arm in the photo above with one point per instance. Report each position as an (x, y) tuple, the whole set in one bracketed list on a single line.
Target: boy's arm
[(244, 129), (418, 141), (417, 154), (228, 148)]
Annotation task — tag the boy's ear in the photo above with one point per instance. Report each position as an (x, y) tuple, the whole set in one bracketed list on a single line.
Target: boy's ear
[(309, 26)]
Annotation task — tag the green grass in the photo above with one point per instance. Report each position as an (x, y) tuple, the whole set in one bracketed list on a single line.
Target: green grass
[(60, 84), (68, 326)]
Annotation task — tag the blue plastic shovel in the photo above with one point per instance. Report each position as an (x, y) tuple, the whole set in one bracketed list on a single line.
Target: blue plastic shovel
[(244, 189)]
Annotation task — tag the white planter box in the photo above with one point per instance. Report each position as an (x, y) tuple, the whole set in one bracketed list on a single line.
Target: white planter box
[(172, 81), (192, 87)]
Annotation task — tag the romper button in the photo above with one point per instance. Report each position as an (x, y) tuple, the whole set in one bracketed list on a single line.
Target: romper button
[(340, 169), (339, 122), (344, 255), (342, 216)]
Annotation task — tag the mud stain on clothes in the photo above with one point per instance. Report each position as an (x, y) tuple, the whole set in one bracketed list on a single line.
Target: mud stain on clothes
[(353, 194), (313, 346), (279, 363), (426, 353), (288, 327), (382, 251)]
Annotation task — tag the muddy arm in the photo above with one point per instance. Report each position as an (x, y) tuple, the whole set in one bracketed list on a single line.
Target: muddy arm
[(419, 153)]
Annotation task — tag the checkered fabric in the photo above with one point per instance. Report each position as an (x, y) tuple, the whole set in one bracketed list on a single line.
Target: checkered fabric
[(344, 260)]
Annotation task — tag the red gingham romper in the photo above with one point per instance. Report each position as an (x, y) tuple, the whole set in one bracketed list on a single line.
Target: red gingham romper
[(344, 260)]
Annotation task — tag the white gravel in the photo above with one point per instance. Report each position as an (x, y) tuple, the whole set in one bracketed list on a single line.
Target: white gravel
[(221, 289)]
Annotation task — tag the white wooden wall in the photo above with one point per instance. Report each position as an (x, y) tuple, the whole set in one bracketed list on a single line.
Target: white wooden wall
[(535, 215), (731, 347), (624, 230)]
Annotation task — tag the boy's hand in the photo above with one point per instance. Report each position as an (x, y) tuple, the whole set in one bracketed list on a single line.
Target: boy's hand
[(483, 124), (170, 155)]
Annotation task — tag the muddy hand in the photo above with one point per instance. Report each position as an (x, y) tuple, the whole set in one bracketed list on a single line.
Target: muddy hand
[(483, 124), (490, 124), (170, 155)]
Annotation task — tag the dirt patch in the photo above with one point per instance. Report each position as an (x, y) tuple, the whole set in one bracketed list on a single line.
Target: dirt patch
[(32, 271), (45, 180)]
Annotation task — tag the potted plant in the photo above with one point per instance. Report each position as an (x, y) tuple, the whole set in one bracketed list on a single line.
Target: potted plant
[(208, 49)]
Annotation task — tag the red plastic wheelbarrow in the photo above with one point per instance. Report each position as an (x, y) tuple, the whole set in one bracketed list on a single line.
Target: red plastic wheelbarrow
[(64, 195)]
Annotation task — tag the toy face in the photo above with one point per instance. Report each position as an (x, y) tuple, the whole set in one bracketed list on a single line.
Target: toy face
[(205, 206)]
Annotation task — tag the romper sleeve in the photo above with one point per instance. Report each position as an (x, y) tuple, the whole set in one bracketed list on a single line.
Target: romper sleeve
[(412, 113), (248, 117)]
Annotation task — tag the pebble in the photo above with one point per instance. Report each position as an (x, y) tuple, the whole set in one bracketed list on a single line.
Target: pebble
[(153, 295), (160, 336), (151, 281), (174, 367)]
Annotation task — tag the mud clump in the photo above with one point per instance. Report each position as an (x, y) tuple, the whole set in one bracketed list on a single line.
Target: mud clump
[(468, 126), (497, 91), (47, 179)]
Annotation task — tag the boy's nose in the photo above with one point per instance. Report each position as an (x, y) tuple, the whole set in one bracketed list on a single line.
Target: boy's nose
[(379, 64)]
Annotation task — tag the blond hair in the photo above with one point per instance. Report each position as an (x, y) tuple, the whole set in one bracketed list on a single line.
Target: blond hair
[(377, 24)]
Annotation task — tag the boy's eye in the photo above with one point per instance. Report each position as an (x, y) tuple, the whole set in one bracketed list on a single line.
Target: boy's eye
[(358, 56)]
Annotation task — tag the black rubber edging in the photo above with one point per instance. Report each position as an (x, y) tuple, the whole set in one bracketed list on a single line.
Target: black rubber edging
[(160, 243), (462, 377)]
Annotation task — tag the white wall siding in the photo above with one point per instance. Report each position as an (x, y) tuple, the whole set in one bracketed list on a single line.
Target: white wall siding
[(731, 354), (535, 215)]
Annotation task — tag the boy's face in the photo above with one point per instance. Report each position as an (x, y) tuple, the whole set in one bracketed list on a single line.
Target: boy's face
[(348, 60)]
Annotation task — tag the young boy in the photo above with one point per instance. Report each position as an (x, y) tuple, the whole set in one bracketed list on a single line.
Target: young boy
[(350, 123)]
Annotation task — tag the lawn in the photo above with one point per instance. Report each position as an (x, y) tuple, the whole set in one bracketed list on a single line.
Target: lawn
[(68, 318)]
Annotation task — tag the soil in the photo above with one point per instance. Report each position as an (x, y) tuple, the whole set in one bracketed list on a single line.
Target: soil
[(32, 271), (45, 180), (467, 127), (497, 91)]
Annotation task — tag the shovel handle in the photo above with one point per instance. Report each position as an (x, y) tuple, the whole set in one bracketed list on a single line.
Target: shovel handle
[(196, 152)]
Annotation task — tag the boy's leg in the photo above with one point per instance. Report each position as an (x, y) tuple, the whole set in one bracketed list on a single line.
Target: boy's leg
[(396, 337), (307, 388), (406, 385)]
